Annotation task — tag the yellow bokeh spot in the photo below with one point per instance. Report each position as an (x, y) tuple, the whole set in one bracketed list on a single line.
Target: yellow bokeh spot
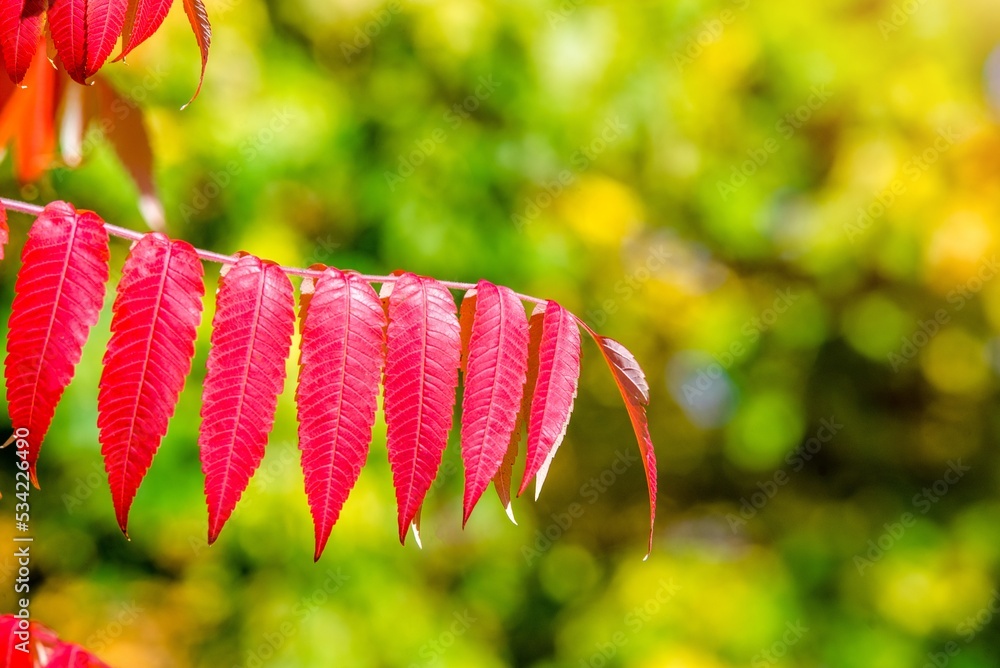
[(955, 362), (601, 210), (728, 59), (907, 599), (932, 594), (958, 249), (682, 657)]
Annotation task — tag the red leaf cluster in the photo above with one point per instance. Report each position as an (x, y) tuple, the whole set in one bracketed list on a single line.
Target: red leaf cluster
[(518, 373), (84, 32), (49, 105)]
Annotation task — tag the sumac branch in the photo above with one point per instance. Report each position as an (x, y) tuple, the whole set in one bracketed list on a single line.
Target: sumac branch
[(410, 340)]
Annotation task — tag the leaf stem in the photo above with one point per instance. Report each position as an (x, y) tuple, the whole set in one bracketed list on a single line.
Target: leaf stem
[(210, 256)]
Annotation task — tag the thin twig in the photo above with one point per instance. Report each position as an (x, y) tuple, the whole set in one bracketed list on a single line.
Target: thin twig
[(210, 256)]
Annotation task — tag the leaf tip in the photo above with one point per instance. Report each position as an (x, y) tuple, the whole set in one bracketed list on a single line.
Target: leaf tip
[(416, 535), (510, 512), (320, 547)]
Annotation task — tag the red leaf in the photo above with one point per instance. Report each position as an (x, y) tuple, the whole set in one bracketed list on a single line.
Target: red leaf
[(44, 648), (58, 297), (20, 32), (11, 635), (144, 17), (28, 118), (494, 383), (84, 33), (4, 231), (156, 315), (421, 374), (198, 17), (466, 314), (68, 655), (635, 391), (342, 352), (251, 338), (503, 479), (556, 338)]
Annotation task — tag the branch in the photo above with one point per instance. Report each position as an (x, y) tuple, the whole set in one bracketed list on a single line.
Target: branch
[(210, 256)]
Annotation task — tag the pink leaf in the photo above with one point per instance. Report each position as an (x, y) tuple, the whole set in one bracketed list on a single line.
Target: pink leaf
[(251, 339), (156, 315), (58, 297), (494, 383), (421, 374), (635, 391), (20, 30), (342, 353), (198, 17), (553, 392)]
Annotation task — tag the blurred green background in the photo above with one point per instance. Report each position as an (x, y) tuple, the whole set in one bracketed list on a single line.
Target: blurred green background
[(787, 211)]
